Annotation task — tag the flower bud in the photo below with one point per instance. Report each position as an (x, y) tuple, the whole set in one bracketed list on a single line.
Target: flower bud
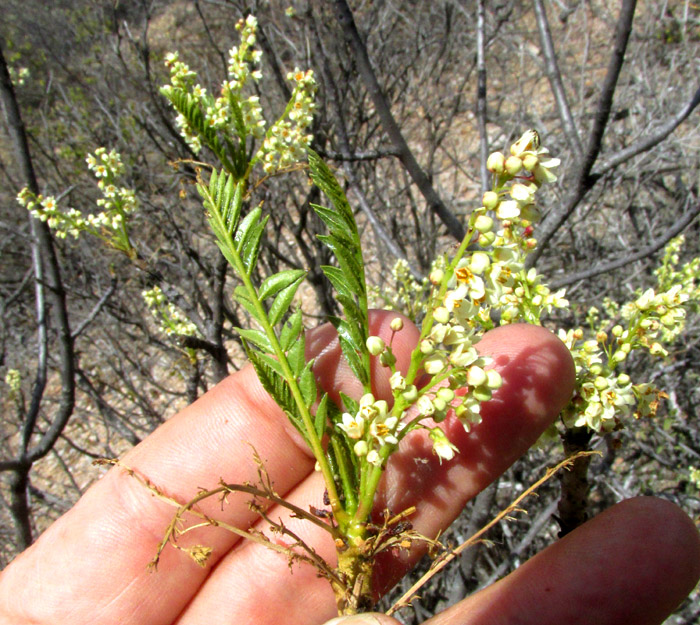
[(397, 382), (482, 393), (427, 347), (476, 376), (483, 224), (530, 161), (600, 383), (619, 356), (490, 200), (375, 345), (487, 238), (657, 350), (425, 406), (396, 324), (496, 163), (479, 262), (513, 165), (410, 394), (441, 314), (360, 448), (436, 276), (435, 364), (446, 394), (493, 379), (387, 358)]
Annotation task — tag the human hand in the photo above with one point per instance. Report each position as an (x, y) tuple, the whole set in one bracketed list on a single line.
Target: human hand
[(632, 564)]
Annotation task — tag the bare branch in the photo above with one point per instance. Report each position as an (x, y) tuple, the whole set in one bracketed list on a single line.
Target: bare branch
[(481, 111), (95, 310), (555, 81), (653, 247), (584, 181), (648, 143), (345, 150), (389, 124)]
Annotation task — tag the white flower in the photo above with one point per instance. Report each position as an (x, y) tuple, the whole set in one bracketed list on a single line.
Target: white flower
[(425, 406), (374, 458), (508, 210), (442, 447), (382, 430), (354, 427)]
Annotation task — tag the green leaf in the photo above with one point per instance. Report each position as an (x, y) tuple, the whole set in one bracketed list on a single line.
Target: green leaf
[(325, 180), (349, 404), (191, 110), (237, 114), (291, 330), (335, 222), (273, 364), (277, 387), (307, 385), (283, 300), (275, 283), (349, 265), (296, 356), (348, 278), (240, 294), (353, 349), (257, 338), (248, 236), (321, 416), (337, 279)]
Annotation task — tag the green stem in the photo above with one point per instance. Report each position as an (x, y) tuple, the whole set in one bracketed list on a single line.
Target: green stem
[(262, 318), (345, 473)]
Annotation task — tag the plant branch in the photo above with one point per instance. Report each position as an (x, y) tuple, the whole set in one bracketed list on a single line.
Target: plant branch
[(643, 145), (650, 249), (555, 81), (445, 559), (419, 177), (481, 109), (584, 181)]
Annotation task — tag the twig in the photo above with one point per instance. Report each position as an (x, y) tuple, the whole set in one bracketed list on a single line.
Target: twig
[(481, 111), (584, 180), (444, 560), (646, 144), (555, 81), (95, 310), (389, 124), (654, 246)]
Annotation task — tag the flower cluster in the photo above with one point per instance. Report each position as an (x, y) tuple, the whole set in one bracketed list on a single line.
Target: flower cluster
[(287, 140), (117, 203), (235, 114), (371, 427), (694, 476), (492, 284), (173, 322), (13, 380), (183, 78), (649, 322)]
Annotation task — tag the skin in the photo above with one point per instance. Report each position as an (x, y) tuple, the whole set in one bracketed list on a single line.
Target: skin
[(632, 564)]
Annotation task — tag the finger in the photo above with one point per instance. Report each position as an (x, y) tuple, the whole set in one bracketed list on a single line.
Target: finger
[(374, 618), (90, 566), (634, 563), (253, 584)]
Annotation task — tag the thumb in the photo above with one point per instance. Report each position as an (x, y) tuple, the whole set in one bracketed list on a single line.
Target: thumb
[(375, 618)]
